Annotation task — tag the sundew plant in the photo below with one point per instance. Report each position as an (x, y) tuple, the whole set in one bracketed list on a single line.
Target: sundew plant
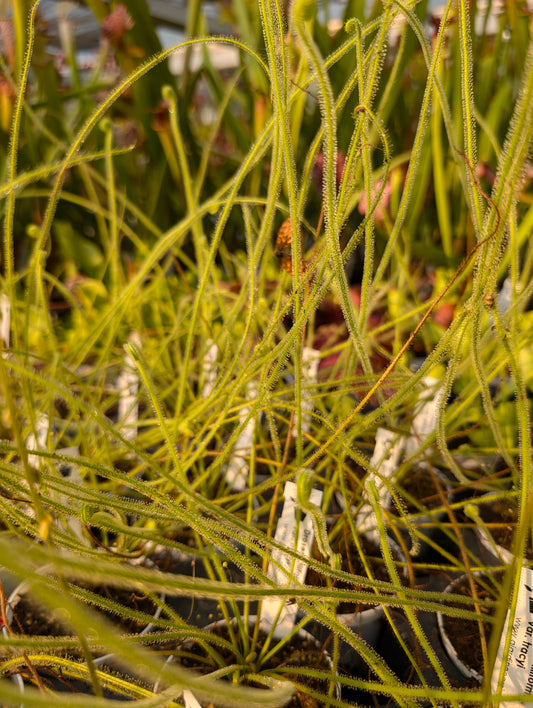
[(218, 283)]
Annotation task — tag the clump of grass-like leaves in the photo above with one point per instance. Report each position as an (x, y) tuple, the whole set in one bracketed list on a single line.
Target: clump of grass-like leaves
[(151, 324)]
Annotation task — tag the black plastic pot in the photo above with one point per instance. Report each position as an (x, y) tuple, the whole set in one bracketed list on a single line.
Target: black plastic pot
[(364, 620), (303, 646), (50, 622), (196, 610)]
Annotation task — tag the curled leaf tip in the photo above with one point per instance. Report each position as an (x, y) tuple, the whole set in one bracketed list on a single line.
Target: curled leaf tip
[(472, 511), (352, 25), (106, 125), (304, 485), (168, 93)]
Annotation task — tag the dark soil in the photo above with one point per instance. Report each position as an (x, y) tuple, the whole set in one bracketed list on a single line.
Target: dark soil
[(501, 519), (32, 618), (422, 485), (170, 560), (464, 634), (352, 563), (130, 599), (185, 537), (299, 652)]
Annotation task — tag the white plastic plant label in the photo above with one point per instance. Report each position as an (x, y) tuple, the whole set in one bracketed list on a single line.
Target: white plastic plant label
[(189, 699), (386, 456), (504, 297), (426, 414), (209, 368), (128, 387), (237, 470), (310, 363), (37, 441), (518, 677), (285, 570), (5, 319), (385, 460), (70, 472)]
